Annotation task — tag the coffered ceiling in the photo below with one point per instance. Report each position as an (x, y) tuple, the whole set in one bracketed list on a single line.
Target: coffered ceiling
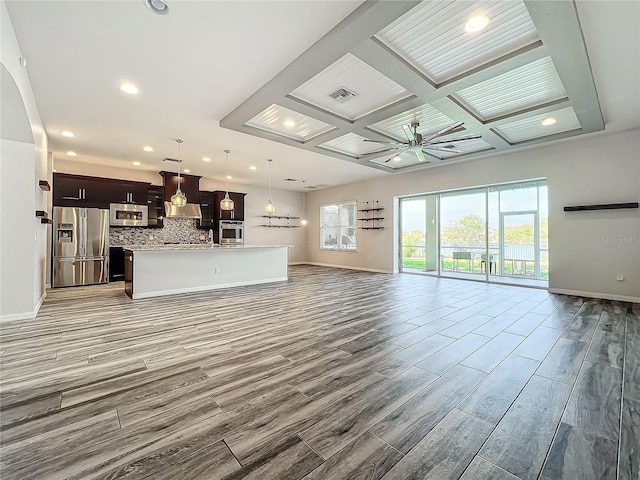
[(226, 74), (390, 64)]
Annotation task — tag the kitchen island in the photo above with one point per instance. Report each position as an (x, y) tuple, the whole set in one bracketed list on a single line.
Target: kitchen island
[(157, 270)]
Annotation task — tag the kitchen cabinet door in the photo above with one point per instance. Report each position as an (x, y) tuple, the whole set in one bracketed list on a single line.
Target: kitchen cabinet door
[(155, 202), (206, 208), (67, 191), (238, 206)]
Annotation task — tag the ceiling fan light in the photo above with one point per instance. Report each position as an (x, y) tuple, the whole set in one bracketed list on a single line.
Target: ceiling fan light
[(477, 23)]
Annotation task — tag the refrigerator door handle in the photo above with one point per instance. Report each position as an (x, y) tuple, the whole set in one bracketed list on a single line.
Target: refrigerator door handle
[(83, 232)]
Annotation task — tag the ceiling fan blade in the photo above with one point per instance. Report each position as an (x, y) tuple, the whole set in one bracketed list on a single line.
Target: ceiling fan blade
[(408, 132), (396, 155), (453, 140), (399, 145), (420, 155), (443, 131), (441, 149)]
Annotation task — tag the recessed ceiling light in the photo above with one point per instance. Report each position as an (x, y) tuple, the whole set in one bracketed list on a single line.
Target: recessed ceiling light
[(206, 159), (252, 167), (186, 170), (72, 154), (67, 133), (137, 164), (148, 149), (229, 177), (549, 121), (477, 22), (129, 88), (289, 123), (397, 158)]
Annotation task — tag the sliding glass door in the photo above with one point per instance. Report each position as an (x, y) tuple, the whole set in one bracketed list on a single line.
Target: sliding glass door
[(463, 230), (419, 239), (496, 233)]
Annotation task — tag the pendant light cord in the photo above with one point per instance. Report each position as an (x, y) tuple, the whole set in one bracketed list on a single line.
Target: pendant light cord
[(179, 142), (227, 152), (269, 180)]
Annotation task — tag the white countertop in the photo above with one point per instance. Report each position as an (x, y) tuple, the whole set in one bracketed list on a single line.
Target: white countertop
[(194, 246)]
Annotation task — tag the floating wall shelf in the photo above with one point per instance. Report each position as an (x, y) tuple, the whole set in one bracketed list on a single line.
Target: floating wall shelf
[(605, 206), (41, 213), (46, 220), (369, 216), (44, 185), (288, 219)]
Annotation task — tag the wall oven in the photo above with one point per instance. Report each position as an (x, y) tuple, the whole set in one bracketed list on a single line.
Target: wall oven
[(128, 215), (231, 232)]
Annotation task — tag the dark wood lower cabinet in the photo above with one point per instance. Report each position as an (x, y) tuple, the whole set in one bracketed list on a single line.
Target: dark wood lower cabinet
[(128, 273)]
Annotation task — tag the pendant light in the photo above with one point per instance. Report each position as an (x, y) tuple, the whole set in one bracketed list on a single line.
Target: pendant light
[(303, 220), (270, 208), (178, 199), (226, 203)]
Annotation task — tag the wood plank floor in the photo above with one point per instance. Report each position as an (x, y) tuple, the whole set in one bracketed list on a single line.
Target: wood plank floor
[(335, 374)]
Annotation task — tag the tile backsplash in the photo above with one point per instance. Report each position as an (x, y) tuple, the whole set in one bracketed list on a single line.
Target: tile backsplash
[(175, 230)]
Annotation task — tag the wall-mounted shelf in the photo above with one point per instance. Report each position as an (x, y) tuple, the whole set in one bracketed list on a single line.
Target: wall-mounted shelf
[(41, 213), (605, 206), (46, 220), (370, 216), (287, 224), (44, 185)]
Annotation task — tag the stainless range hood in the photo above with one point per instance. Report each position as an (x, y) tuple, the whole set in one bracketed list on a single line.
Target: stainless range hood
[(190, 210)]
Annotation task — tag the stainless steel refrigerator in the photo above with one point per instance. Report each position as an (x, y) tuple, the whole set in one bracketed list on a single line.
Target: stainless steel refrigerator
[(80, 246)]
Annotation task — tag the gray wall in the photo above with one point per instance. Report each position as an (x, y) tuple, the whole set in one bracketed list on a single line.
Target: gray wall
[(587, 250)]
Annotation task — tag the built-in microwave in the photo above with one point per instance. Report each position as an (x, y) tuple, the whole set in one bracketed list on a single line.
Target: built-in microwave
[(128, 215), (231, 232)]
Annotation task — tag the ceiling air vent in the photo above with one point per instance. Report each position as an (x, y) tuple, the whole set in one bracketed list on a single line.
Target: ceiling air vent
[(289, 180), (343, 95)]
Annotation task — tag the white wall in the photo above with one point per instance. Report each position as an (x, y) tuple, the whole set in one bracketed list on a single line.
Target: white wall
[(287, 203), (587, 250), (23, 164)]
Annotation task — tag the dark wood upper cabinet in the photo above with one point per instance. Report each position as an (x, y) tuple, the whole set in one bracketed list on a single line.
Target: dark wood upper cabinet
[(155, 202), (238, 206), (96, 192), (189, 184), (206, 208)]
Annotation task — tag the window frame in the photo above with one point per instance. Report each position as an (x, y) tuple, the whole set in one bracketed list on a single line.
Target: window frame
[(339, 247)]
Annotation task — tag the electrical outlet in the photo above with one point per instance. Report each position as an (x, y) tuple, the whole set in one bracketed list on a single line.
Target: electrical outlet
[(620, 277), (217, 270), (121, 237)]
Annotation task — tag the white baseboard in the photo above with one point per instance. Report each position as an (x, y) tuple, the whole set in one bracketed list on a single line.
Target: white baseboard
[(363, 269), (24, 315), (298, 263), (205, 288), (605, 296)]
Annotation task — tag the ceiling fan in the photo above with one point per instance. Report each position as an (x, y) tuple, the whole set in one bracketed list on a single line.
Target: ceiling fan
[(417, 144)]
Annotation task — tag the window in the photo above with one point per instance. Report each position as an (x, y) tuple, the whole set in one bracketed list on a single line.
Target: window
[(338, 226)]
